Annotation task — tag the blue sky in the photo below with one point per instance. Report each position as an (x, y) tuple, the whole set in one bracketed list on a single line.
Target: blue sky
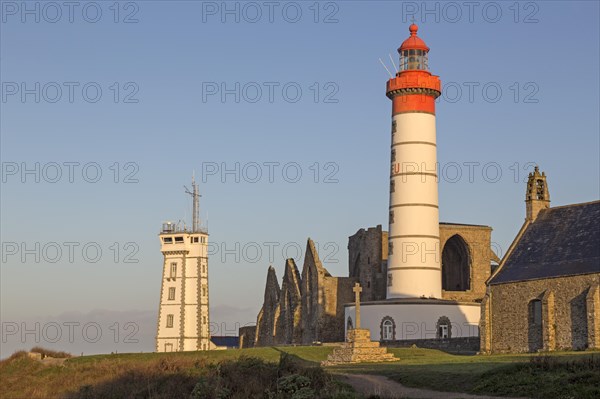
[(532, 66)]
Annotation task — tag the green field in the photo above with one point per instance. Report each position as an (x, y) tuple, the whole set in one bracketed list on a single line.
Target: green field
[(151, 375), (568, 375)]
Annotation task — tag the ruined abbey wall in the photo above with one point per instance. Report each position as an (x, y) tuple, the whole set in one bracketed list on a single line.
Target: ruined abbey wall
[(466, 258), (477, 243), (265, 322), (367, 261), (309, 306)]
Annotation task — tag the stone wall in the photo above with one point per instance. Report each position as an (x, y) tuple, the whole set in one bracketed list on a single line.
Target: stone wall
[(367, 262), (478, 241), (313, 275), (322, 300), (287, 323), (368, 254), (337, 291), (308, 308), (454, 345), (593, 306), (247, 337), (569, 315), (265, 322)]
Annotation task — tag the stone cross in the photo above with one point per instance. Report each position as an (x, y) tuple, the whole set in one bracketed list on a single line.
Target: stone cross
[(357, 290)]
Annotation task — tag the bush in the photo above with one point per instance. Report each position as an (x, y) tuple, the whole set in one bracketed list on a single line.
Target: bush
[(545, 376), (17, 355), (553, 363), (50, 353), (291, 384), (250, 377)]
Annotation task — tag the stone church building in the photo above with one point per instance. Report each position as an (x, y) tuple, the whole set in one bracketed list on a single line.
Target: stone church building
[(545, 294)]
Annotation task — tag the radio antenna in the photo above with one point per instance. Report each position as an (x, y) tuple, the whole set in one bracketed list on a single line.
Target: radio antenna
[(195, 204), (386, 68), (393, 63)]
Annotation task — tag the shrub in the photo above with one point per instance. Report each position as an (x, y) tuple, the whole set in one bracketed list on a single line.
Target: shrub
[(249, 377), (292, 383), (50, 353)]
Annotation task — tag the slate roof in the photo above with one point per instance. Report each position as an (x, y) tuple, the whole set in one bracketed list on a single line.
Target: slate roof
[(230, 342), (562, 241)]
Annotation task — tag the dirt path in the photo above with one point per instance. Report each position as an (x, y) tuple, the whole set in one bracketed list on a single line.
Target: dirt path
[(378, 385)]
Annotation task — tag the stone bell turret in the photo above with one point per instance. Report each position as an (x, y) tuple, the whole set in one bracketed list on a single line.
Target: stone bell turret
[(537, 196)]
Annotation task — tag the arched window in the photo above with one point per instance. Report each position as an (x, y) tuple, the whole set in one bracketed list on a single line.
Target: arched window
[(456, 265), (349, 325), (388, 329), (443, 328)]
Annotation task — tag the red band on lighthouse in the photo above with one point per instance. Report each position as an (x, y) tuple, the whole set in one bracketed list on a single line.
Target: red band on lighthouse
[(413, 103), (414, 91)]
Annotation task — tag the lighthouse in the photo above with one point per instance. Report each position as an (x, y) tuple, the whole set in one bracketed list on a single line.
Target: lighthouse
[(416, 307), (414, 269)]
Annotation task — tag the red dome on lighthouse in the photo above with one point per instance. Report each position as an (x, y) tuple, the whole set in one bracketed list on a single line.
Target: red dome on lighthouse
[(414, 88), (414, 42)]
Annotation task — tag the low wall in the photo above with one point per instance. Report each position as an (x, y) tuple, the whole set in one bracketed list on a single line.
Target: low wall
[(455, 345)]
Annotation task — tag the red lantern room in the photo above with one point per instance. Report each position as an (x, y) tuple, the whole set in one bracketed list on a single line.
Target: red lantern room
[(413, 52), (414, 88)]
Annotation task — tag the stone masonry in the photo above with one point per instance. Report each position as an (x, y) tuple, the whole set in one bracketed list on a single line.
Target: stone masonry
[(358, 346), (367, 261), (288, 312), (544, 296), (570, 314), (247, 336), (309, 306), (480, 255), (368, 253), (265, 322), (323, 299)]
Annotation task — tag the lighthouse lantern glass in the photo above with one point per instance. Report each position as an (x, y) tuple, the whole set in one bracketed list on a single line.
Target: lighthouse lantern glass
[(413, 59)]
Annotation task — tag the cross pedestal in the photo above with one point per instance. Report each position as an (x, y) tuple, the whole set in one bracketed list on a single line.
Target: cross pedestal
[(358, 346)]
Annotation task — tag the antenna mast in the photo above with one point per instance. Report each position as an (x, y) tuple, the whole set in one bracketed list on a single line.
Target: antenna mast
[(195, 206), (386, 68)]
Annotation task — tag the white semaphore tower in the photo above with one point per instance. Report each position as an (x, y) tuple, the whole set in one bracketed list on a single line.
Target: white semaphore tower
[(414, 269), (183, 317)]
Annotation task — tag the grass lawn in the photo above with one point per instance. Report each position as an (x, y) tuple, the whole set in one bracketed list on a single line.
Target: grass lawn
[(563, 375), (312, 354), (26, 378)]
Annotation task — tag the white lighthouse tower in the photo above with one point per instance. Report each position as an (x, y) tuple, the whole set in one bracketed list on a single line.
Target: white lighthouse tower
[(414, 309), (183, 317), (414, 269)]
